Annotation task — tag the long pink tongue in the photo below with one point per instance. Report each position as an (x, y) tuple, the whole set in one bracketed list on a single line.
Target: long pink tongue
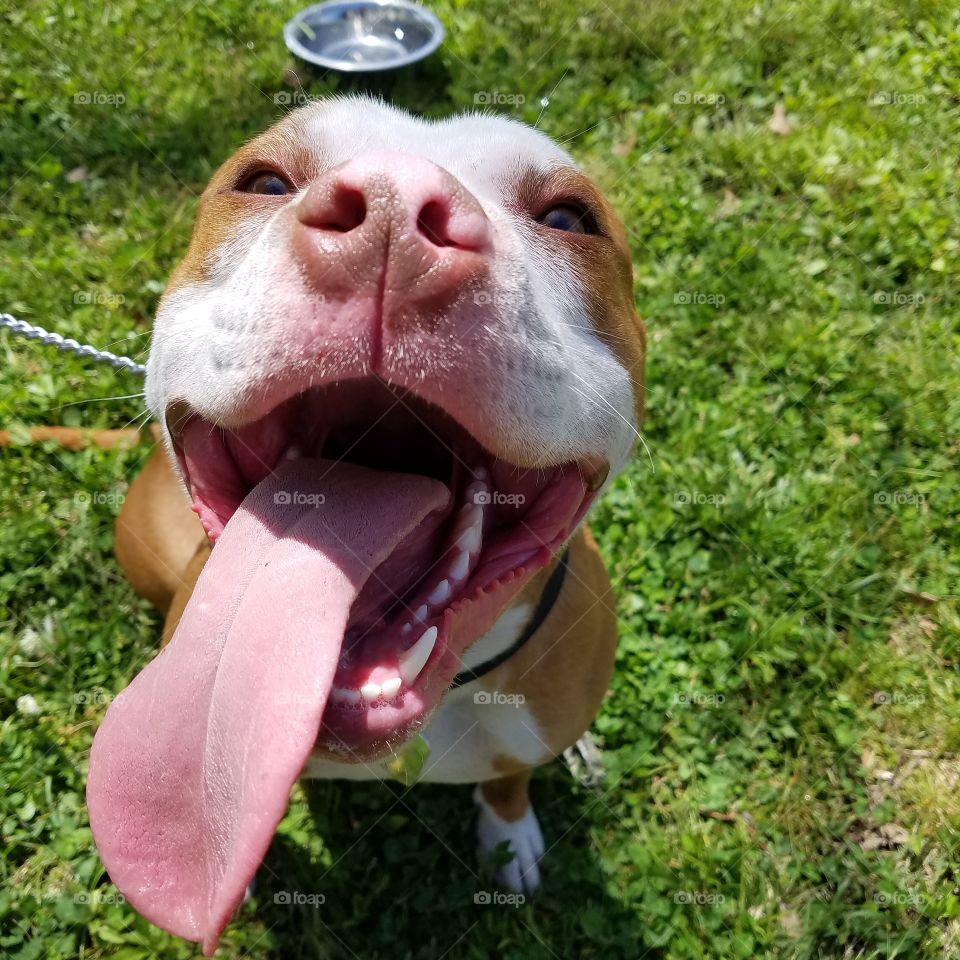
[(192, 767)]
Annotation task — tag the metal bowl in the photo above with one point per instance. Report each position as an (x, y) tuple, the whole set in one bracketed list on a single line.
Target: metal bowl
[(360, 35)]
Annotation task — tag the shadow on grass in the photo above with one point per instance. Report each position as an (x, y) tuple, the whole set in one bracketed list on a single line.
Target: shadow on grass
[(188, 142), (399, 877)]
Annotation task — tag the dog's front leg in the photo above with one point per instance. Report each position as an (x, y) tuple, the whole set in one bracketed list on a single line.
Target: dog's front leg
[(507, 815)]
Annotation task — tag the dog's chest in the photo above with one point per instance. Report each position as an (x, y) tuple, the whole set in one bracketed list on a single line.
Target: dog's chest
[(471, 730)]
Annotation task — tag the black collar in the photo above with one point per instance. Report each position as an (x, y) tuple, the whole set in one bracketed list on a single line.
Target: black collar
[(547, 599)]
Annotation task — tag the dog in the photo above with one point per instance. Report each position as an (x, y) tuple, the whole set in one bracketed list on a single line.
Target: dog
[(398, 363)]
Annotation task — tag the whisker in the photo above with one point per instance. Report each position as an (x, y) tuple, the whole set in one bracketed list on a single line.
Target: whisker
[(130, 336), (545, 101), (580, 133), (613, 409), (593, 330), (128, 396), (145, 415)]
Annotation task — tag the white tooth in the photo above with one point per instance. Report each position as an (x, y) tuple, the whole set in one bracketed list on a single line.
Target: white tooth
[(391, 686), (460, 566), (420, 614), (412, 660), (370, 690), (471, 521), (440, 594), (343, 695)]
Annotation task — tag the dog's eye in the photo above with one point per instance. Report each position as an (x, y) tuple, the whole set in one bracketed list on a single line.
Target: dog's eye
[(568, 218), (266, 182)]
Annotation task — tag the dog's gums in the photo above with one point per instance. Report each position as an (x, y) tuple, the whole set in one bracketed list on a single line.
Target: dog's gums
[(400, 649)]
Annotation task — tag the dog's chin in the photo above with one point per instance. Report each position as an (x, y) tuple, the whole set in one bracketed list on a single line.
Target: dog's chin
[(442, 587)]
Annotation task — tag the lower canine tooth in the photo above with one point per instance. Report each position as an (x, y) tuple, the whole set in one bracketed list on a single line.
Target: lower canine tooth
[(441, 594), (413, 660), (472, 519), (370, 691), (460, 566)]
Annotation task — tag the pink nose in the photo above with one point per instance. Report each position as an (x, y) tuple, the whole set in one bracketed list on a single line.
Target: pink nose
[(396, 220)]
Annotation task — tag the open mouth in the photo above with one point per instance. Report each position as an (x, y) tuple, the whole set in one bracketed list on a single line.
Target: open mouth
[(442, 586)]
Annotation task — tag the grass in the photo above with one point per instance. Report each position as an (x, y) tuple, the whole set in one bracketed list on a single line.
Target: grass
[(782, 737)]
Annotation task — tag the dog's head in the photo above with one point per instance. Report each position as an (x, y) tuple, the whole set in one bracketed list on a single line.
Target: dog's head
[(396, 366), (450, 299)]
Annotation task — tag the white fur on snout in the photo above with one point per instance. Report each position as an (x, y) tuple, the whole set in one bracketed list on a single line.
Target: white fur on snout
[(522, 873)]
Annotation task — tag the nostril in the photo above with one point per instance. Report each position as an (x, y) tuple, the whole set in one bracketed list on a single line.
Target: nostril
[(434, 223), (346, 210)]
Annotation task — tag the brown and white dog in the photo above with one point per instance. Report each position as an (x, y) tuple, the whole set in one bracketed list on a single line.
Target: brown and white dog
[(397, 365)]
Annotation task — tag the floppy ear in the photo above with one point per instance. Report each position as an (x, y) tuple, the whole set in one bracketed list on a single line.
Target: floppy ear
[(619, 324), (156, 532), (629, 335)]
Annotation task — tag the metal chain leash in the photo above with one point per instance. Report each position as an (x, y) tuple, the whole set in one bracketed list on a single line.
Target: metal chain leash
[(69, 345)]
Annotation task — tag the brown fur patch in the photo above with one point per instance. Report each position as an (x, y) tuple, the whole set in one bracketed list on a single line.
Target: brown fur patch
[(505, 765), (508, 796), (156, 533), (601, 262), (223, 209), (564, 670)]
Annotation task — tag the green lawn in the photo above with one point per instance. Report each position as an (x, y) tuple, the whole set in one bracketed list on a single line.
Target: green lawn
[(782, 737)]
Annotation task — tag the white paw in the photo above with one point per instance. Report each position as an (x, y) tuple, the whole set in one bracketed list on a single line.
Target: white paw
[(522, 873)]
